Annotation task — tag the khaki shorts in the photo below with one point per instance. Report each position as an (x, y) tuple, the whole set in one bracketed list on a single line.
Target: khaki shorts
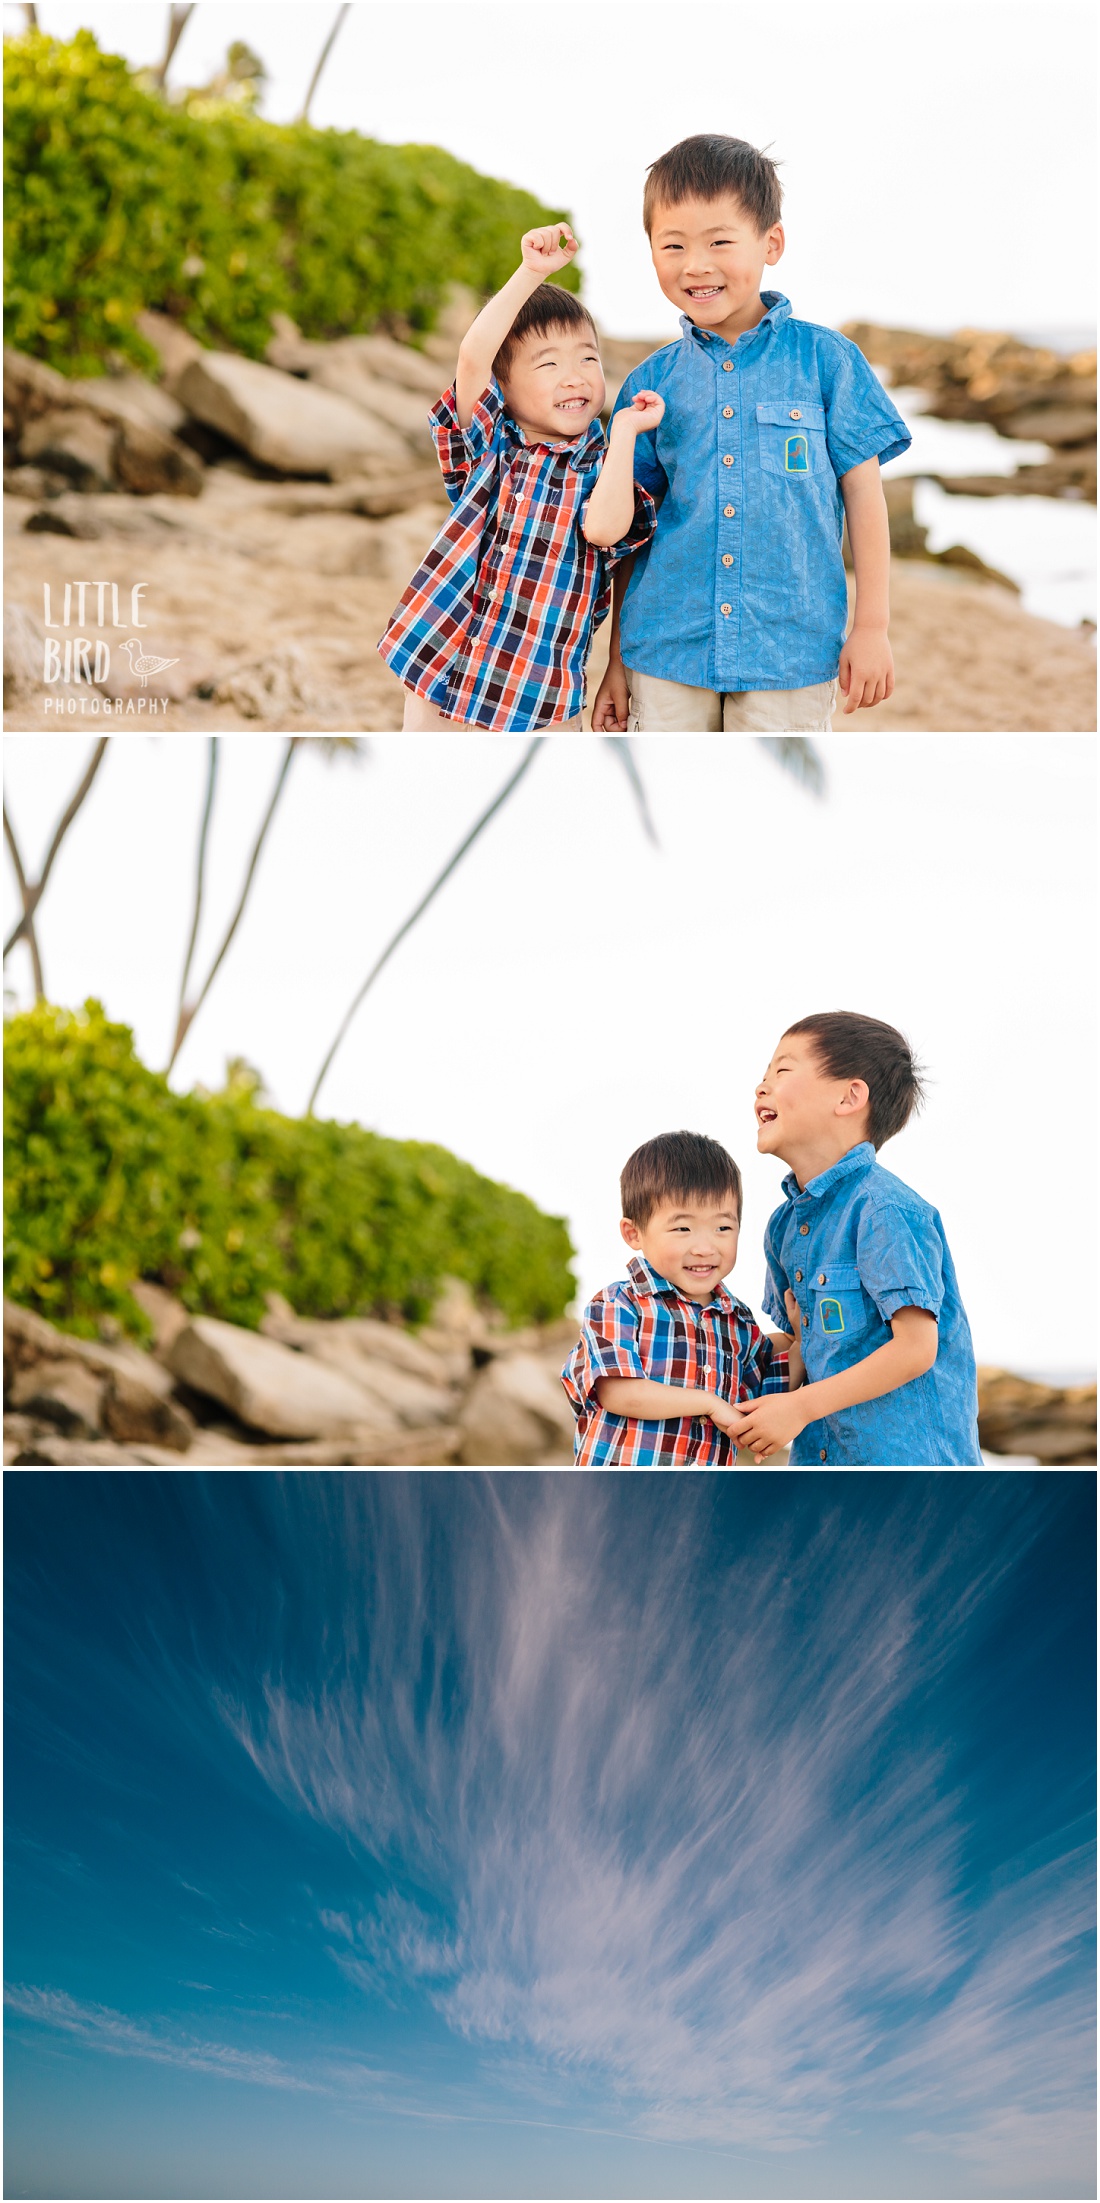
[(423, 718), (667, 707)]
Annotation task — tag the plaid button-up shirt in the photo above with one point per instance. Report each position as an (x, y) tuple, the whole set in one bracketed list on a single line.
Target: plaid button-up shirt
[(645, 1327), (497, 621)]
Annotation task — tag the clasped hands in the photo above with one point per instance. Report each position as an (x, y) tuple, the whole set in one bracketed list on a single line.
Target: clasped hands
[(762, 1427)]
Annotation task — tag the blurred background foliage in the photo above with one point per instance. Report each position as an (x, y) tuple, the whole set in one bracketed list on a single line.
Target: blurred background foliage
[(119, 198), (112, 1176)]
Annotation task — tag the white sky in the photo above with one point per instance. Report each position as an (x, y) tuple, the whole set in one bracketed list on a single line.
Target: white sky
[(937, 154), (573, 991)]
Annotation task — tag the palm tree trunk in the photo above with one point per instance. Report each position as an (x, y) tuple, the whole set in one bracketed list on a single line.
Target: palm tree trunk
[(177, 19), (35, 892), (479, 826), (189, 1011), (321, 60), (200, 870)]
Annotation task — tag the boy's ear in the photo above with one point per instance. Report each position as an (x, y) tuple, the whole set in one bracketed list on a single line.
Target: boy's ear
[(630, 1232), (777, 245), (856, 1098)]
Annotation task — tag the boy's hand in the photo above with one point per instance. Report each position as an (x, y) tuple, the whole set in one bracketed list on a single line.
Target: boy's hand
[(644, 412), (544, 251), (727, 1416), (611, 710), (866, 669), (767, 1425)]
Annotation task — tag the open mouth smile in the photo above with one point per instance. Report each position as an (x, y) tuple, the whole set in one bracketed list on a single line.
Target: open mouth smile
[(713, 290), (765, 1115), (572, 405)]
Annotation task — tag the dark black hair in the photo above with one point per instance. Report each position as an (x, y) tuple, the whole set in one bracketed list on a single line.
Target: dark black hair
[(547, 308), (675, 1167), (851, 1047), (709, 168)]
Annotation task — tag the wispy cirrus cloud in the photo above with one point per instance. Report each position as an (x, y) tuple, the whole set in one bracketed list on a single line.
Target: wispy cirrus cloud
[(100, 2028), (684, 1834)]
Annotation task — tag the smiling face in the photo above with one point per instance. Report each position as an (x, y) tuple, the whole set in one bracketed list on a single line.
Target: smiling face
[(803, 1114), (554, 385), (693, 1243), (709, 258)]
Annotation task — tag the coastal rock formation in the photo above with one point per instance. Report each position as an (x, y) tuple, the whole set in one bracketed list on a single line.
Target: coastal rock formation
[(1052, 1424)]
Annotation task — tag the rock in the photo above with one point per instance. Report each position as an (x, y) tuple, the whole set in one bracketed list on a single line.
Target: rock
[(266, 1386), (394, 1391), (131, 398), (64, 1392), (460, 307), (34, 482), (282, 422), (516, 1413), (346, 374), (167, 1315), (1051, 424), (1056, 1425), (132, 1409), (24, 652), (30, 389), (385, 1342), (175, 346), (148, 460), (270, 687), (379, 356), (66, 515), (75, 442)]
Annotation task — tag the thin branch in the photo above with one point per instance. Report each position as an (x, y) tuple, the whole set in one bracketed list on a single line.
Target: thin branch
[(321, 60), (621, 746), (189, 1012), (200, 871), (500, 798), (798, 757), (31, 13), (36, 892), (177, 20), (30, 936)]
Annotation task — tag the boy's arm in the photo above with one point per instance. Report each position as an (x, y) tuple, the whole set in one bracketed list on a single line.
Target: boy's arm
[(866, 664), (645, 1401), (771, 1423), (610, 508), (611, 710), (543, 255)]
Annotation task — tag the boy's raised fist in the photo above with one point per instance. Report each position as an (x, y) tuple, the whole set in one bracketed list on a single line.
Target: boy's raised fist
[(546, 250)]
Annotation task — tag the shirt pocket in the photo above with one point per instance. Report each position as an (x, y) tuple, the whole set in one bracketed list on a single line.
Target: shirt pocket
[(792, 439), (840, 1307)]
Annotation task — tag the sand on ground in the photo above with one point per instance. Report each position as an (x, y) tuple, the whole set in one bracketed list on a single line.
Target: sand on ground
[(231, 581)]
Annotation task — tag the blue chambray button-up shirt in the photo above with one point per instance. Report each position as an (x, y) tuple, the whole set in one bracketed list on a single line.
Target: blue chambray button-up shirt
[(743, 585), (854, 1246)]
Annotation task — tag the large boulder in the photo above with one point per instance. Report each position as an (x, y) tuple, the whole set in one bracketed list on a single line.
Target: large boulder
[(128, 397), (284, 423), (73, 441), (174, 345), (1052, 1424), (516, 1414), (269, 1387), (62, 1392)]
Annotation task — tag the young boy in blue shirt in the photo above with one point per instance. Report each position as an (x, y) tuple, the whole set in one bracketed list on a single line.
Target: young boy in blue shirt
[(860, 1263), (735, 616)]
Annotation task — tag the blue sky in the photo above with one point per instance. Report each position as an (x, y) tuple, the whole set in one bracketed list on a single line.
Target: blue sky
[(541, 1835)]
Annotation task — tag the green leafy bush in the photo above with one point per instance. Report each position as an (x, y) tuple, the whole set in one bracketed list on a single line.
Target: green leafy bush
[(112, 1176), (116, 199)]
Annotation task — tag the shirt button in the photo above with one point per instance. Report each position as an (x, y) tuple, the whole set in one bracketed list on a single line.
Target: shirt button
[(729, 511), (821, 1277), (796, 415), (726, 559), (823, 1456), (727, 459), (803, 1228), (727, 412), (726, 366), (726, 609), (798, 1277)]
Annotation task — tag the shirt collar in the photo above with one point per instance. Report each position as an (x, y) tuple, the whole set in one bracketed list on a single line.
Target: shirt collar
[(778, 308), (650, 1284), (579, 454), (850, 1166)]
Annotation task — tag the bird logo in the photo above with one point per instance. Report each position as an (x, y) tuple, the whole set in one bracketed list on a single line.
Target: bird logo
[(143, 667)]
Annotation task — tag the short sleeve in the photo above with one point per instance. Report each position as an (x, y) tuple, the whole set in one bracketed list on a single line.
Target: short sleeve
[(860, 421), (459, 449), (641, 530), (900, 1260), (648, 471), (607, 1347), (764, 1368), (777, 1281)]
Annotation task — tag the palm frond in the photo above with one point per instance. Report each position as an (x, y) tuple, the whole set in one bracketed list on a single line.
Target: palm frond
[(798, 757), (620, 744)]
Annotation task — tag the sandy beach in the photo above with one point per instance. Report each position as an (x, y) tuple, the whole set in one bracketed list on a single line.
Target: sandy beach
[(275, 615)]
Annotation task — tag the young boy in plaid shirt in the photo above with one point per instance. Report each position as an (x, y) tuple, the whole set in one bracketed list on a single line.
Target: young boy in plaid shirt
[(496, 624), (666, 1353)]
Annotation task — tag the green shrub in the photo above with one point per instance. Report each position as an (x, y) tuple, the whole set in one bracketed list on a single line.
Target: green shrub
[(116, 199), (112, 1176)]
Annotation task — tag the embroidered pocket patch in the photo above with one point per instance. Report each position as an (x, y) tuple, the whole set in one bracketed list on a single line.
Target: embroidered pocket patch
[(832, 1316), (797, 455)]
